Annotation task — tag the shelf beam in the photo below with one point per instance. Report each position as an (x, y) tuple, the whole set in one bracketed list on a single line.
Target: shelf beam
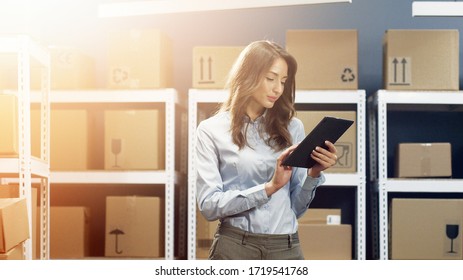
[(437, 8)]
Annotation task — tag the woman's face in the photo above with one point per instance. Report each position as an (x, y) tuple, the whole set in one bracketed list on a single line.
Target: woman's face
[(270, 89)]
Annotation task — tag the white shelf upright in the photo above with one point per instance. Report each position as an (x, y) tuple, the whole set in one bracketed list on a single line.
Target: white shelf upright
[(380, 103), (335, 98), (24, 167)]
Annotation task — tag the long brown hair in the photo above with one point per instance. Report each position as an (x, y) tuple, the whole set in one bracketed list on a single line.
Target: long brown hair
[(244, 78)]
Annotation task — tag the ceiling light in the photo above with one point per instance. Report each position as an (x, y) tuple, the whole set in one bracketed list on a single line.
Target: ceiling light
[(135, 8)]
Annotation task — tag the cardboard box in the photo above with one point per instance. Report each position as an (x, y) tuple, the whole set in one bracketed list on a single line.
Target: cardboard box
[(70, 136), (327, 59), (139, 58), (14, 254), (205, 231), (69, 232), (424, 228), (71, 69), (326, 242), (12, 191), (134, 226), (320, 216), (421, 59), (346, 145), (9, 125), (134, 139), (212, 64), (423, 160), (14, 223), (9, 191)]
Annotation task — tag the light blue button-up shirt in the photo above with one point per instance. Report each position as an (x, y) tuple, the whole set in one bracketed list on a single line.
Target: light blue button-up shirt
[(230, 182)]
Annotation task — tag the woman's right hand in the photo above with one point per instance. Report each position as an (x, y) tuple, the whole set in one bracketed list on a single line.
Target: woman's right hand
[(282, 173)]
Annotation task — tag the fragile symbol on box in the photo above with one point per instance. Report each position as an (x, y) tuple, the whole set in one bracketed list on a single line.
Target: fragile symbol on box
[(344, 155), (117, 232), (400, 71), (451, 231), (203, 79)]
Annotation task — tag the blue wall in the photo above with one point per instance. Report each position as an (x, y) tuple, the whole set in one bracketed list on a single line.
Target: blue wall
[(238, 27)]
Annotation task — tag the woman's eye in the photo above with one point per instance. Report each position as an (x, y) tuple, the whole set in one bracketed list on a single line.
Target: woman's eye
[(270, 79)]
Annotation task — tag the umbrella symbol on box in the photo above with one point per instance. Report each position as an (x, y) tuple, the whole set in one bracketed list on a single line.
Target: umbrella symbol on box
[(117, 232)]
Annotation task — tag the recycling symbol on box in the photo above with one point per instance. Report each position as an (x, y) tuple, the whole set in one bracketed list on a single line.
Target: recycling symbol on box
[(348, 75)]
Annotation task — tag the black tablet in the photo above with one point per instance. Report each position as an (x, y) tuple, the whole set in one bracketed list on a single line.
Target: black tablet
[(329, 128)]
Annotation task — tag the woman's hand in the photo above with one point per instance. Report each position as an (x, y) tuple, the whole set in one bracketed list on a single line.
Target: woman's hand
[(282, 173), (325, 158)]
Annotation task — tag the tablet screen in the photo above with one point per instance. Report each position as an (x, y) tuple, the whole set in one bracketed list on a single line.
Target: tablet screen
[(329, 128)]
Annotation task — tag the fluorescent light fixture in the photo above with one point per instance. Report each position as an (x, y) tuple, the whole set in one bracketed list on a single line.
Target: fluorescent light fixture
[(437, 8), (135, 8)]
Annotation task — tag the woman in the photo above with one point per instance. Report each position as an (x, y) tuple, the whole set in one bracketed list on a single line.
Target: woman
[(240, 178)]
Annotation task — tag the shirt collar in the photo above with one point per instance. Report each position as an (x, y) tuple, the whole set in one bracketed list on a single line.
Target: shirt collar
[(259, 119)]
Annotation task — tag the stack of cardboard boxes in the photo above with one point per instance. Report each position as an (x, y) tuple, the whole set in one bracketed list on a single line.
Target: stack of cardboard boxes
[(95, 138), (421, 60), (116, 138), (423, 228)]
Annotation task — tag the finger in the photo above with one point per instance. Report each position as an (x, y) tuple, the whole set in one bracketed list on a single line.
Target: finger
[(286, 152), (325, 156), (331, 147), (328, 154)]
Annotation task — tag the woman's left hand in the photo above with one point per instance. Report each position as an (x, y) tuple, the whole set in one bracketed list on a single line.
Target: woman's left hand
[(325, 158)]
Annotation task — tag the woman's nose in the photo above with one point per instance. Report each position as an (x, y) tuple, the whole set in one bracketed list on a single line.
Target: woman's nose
[(278, 88)]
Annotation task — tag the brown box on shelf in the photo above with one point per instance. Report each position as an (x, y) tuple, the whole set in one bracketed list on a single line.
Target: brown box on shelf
[(9, 125), (134, 139), (326, 242), (14, 223), (70, 138), (139, 59), (9, 191), (423, 160), (421, 59), (347, 143), (211, 65), (71, 69), (426, 229), (320, 216), (69, 232), (134, 226), (205, 231), (12, 191), (327, 59), (14, 254)]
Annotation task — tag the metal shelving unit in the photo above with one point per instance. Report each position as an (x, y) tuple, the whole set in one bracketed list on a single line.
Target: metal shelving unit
[(329, 98), (168, 177), (380, 104), (24, 167)]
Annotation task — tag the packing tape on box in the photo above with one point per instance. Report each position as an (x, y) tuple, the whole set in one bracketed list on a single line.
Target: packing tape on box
[(333, 220)]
